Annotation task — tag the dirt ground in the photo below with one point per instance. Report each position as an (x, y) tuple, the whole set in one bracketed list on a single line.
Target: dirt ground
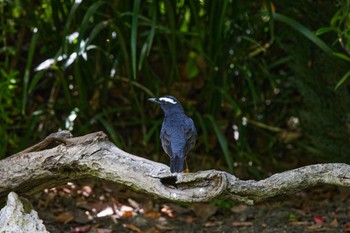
[(102, 207)]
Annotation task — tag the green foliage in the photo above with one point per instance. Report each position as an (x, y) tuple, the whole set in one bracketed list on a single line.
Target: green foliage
[(239, 70), (324, 112), (223, 204), (340, 24)]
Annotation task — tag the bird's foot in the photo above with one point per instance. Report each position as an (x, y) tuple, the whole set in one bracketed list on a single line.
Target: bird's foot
[(186, 170)]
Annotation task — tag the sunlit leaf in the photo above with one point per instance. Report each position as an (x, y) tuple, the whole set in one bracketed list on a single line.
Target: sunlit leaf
[(45, 64)]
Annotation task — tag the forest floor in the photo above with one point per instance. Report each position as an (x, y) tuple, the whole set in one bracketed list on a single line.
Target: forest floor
[(102, 207)]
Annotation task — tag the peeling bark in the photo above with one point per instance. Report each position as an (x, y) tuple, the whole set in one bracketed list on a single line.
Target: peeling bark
[(93, 155)]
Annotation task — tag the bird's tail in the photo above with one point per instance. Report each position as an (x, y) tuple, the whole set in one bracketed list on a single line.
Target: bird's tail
[(177, 163)]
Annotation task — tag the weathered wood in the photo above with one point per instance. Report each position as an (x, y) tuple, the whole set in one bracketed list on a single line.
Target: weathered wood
[(14, 217), (93, 155)]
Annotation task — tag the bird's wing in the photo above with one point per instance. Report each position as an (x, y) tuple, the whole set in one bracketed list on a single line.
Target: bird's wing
[(191, 135), (165, 140)]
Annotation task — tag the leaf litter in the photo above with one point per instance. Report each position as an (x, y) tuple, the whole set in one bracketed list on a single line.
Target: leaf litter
[(103, 207)]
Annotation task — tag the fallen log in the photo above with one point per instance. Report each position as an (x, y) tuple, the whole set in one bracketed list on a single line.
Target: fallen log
[(93, 155), (15, 217)]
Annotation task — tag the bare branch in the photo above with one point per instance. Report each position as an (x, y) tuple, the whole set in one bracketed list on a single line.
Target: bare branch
[(93, 155)]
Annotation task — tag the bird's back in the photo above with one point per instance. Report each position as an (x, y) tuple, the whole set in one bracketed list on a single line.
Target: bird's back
[(178, 135)]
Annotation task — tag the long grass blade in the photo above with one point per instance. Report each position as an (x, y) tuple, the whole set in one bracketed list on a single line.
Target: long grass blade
[(305, 31), (28, 69), (134, 26), (171, 39), (110, 129), (153, 26), (67, 25), (204, 130), (148, 44), (233, 103), (124, 49), (223, 143), (96, 30), (342, 80), (85, 22)]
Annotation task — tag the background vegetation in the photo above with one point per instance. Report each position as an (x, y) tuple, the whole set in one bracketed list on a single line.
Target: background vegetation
[(265, 82)]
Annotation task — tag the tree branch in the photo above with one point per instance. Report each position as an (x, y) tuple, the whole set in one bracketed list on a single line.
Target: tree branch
[(93, 155)]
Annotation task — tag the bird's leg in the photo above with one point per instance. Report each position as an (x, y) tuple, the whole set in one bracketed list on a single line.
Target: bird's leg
[(186, 169)]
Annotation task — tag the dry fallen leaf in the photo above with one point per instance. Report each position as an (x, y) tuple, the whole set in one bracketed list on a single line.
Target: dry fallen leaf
[(105, 212), (132, 228), (152, 214), (168, 211), (334, 223), (103, 230), (85, 191), (238, 208), (152, 230), (64, 217), (133, 203), (315, 227), (347, 227), (190, 219), (81, 229), (125, 211), (204, 210), (298, 223), (242, 224), (127, 214), (213, 224), (164, 228)]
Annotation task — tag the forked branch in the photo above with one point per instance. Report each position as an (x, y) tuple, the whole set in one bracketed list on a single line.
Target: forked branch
[(93, 155)]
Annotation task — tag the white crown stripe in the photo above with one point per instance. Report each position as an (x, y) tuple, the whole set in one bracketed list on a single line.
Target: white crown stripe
[(166, 99)]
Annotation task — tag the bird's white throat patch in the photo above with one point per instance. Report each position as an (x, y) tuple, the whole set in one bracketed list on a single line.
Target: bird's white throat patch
[(169, 100)]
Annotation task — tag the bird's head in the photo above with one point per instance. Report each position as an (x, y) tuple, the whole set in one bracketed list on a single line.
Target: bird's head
[(167, 103)]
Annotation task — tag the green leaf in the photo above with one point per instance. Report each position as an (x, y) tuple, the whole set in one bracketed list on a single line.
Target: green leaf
[(321, 31), (67, 25), (85, 22), (108, 125), (204, 133), (171, 38), (28, 69), (342, 56), (34, 81), (223, 143), (134, 25), (305, 31), (342, 80), (233, 103), (124, 49), (146, 48), (96, 30), (153, 131)]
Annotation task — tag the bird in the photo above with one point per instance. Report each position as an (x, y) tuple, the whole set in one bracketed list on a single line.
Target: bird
[(178, 134)]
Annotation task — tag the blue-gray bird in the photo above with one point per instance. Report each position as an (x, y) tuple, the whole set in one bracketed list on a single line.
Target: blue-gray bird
[(178, 134)]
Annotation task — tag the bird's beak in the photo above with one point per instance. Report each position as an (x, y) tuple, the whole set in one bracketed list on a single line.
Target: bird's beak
[(153, 100)]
